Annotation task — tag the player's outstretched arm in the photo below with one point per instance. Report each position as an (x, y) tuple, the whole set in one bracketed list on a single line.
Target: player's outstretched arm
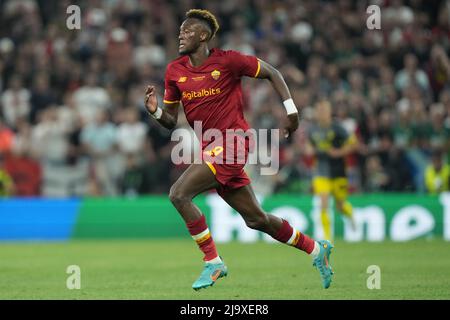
[(276, 78), (166, 116)]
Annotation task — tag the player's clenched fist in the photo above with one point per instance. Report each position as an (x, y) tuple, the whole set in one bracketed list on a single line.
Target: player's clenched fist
[(151, 103), (292, 124)]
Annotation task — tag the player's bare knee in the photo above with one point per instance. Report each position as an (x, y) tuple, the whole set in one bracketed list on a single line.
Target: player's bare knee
[(177, 197), (259, 222)]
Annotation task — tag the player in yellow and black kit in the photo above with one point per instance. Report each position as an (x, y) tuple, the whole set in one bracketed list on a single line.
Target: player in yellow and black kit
[(329, 142), (6, 182)]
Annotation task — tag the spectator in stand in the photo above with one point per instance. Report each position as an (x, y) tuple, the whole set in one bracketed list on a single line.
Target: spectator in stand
[(6, 138), (91, 98), (41, 96), (148, 52), (131, 133), (438, 69), (21, 165), (135, 180), (6, 183), (99, 140), (49, 138), (15, 102), (437, 174), (411, 74), (377, 179)]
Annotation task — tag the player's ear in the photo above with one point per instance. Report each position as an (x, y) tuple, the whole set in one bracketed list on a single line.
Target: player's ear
[(204, 36)]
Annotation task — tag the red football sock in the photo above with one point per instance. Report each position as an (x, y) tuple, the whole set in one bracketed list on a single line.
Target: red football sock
[(294, 238), (200, 233)]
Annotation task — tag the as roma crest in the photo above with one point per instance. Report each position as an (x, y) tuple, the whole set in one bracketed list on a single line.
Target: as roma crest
[(215, 74)]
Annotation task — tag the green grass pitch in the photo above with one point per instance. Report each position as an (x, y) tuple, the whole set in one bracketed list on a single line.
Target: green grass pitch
[(158, 269)]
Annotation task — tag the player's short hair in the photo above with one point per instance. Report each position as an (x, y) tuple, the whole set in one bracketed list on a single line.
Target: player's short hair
[(205, 16)]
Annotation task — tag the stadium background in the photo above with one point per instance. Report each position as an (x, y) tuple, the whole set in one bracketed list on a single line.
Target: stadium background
[(80, 158)]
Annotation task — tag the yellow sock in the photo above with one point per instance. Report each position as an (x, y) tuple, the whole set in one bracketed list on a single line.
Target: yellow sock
[(326, 224), (347, 209)]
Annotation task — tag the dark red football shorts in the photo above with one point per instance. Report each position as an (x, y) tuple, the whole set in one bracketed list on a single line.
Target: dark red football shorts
[(227, 159)]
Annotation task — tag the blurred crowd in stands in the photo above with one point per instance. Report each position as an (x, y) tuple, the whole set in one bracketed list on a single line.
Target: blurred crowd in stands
[(73, 123)]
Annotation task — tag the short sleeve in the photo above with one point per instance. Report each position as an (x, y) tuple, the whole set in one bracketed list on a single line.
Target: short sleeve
[(243, 65), (171, 91)]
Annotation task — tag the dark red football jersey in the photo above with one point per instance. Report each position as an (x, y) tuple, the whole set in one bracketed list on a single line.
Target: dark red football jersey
[(211, 93)]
